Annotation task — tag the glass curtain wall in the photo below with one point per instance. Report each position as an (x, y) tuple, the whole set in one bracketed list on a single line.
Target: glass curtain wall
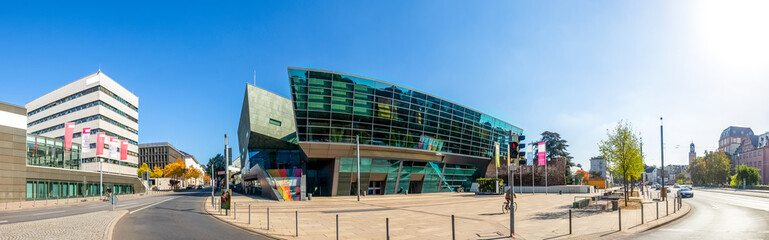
[(40, 189), (49, 152), (414, 176), (332, 107)]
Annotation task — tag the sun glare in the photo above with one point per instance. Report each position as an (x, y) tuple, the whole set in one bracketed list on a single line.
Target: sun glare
[(734, 34)]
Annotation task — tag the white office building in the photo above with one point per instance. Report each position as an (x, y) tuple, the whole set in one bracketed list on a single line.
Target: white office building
[(96, 102)]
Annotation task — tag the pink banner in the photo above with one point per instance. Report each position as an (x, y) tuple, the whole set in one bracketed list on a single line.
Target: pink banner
[(123, 150), (99, 143), (541, 154), (69, 129)]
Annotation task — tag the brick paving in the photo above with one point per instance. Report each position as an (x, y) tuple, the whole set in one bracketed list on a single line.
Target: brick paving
[(84, 226), (428, 216)]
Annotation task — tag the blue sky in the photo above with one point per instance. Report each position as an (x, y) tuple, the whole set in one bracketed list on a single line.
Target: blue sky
[(573, 67)]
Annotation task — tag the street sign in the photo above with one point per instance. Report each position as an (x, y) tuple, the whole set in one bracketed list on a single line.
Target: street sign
[(221, 173), (113, 200)]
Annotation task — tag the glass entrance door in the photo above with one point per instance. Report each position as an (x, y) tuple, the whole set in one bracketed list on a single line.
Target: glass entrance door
[(375, 188)]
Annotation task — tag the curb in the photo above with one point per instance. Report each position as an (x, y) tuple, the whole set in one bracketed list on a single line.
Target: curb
[(671, 220), (236, 226), (111, 228), (733, 193)]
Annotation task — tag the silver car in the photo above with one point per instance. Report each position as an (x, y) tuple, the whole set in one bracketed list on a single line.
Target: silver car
[(685, 193)]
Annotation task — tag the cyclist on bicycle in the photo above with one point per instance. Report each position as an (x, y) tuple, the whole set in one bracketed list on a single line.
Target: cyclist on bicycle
[(509, 194)]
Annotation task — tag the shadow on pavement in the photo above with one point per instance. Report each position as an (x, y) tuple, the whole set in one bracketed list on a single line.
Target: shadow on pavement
[(565, 214)]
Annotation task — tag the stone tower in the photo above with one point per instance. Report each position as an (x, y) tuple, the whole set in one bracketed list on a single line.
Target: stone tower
[(692, 153)]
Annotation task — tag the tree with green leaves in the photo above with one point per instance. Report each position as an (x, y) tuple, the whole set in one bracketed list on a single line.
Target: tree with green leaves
[(749, 175), (218, 162), (555, 147), (622, 151), (711, 169)]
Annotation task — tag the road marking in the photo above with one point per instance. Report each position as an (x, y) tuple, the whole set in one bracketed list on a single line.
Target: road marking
[(37, 214), (4, 221), (149, 205), (714, 206)]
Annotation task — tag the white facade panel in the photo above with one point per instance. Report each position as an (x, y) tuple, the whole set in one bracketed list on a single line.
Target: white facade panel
[(90, 81)]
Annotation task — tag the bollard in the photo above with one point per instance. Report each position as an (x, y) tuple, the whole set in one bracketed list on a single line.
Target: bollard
[(675, 202), (667, 205), (268, 218), (642, 212), (337, 227), (658, 210), (249, 214), (569, 221), (297, 223), (453, 233), (387, 227), (619, 210), (234, 211), (19, 202)]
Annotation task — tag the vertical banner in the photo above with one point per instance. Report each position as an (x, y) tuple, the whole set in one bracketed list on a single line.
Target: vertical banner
[(113, 144), (123, 150), (86, 137), (496, 153), (69, 129), (99, 143), (541, 154), (508, 155), (529, 155)]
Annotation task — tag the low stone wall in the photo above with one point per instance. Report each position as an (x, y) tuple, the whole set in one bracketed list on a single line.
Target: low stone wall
[(554, 189)]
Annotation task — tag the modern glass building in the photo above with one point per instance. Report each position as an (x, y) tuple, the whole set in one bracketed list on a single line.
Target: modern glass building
[(34, 167), (409, 140)]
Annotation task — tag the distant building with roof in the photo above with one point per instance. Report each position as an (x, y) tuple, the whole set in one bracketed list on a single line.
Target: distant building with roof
[(732, 137), (159, 154), (746, 148)]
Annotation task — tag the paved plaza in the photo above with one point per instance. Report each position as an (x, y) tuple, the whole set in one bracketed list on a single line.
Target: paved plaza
[(423, 216)]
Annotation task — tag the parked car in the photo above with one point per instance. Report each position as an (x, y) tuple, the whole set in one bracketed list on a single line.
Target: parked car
[(200, 186), (676, 185), (685, 193)]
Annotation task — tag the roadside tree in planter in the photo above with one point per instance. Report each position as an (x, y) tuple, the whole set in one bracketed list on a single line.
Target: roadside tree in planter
[(622, 151)]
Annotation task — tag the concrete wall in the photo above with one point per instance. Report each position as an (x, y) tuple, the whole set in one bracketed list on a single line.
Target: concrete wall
[(13, 155)]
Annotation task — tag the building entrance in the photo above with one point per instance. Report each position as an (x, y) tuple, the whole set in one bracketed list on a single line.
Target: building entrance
[(415, 187), (376, 188)]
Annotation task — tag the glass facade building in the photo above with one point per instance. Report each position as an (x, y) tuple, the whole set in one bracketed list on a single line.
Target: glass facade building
[(335, 107), (410, 141)]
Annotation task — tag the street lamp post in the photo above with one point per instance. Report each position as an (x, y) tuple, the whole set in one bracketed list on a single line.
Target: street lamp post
[(226, 163), (662, 159)]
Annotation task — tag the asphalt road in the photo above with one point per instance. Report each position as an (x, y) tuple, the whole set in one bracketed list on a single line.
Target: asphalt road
[(718, 216), (26, 215), (180, 218)]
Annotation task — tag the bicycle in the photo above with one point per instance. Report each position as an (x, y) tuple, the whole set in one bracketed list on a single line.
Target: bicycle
[(506, 207)]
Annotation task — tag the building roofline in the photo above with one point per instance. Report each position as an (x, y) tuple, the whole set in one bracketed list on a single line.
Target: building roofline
[(89, 75), (398, 85)]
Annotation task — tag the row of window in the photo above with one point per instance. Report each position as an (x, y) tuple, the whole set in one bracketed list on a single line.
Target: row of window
[(81, 107), (88, 119), (63, 100), (80, 94), (38, 189), (110, 161), (106, 133)]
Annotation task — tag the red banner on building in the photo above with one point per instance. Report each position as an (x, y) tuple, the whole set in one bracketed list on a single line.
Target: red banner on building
[(124, 150), (69, 129), (99, 143)]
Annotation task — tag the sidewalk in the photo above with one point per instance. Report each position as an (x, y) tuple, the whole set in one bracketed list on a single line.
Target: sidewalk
[(32, 204), (85, 226), (428, 216)]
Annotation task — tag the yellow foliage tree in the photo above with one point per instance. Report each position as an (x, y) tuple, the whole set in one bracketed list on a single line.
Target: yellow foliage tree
[(144, 168), (156, 172)]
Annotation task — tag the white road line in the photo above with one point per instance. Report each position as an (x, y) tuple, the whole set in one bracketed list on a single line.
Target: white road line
[(37, 214), (149, 206), (4, 221)]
